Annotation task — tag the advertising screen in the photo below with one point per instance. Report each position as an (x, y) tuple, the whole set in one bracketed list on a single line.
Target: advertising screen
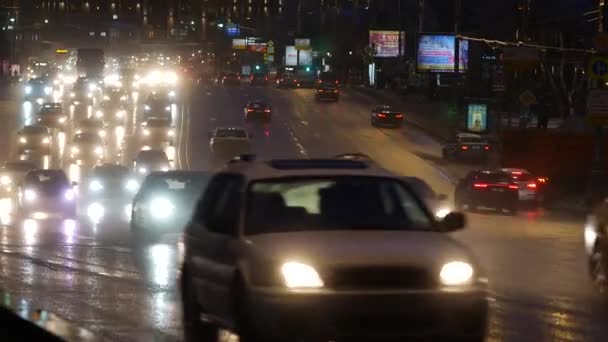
[(477, 117), (305, 57), (386, 43), (436, 53), (239, 44), (291, 55)]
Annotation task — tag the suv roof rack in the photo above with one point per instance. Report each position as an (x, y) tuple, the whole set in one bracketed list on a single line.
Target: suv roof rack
[(295, 164)]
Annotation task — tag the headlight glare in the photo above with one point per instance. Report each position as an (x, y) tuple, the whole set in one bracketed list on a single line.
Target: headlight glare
[(456, 273), (298, 275), (132, 185), (69, 195), (161, 208), (95, 186), (5, 180), (30, 195)]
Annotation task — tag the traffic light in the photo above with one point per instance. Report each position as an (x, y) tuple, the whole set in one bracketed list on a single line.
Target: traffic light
[(257, 67), (307, 69), (220, 25)]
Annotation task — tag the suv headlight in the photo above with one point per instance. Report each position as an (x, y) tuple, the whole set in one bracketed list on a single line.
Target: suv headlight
[(5, 180), (47, 90), (131, 185), (298, 275), (146, 132), (30, 195), (75, 150), (28, 89), (23, 140), (146, 107), (456, 273), (95, 186), (170, 133), (98, 150), (46, 141), (161, 208)]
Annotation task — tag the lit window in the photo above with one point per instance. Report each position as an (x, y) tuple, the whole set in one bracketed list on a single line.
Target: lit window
[(103, 34)]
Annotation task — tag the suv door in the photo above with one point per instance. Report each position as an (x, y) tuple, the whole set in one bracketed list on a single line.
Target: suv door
[(211, 237)]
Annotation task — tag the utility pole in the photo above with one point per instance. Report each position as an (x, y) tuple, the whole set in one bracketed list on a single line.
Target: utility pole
[(420, 16)]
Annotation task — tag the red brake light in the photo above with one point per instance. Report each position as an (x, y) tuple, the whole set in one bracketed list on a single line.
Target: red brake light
[(399, 116), (531, 185), (464, 147), (513, 187), (249, 110), (238, 77), (337, 81), (487, 147), (224, 77), (480, 185), (381, 115), (321, 90), (336, 91), (265, 78), (266, 110), (517, 173), (542, 180)]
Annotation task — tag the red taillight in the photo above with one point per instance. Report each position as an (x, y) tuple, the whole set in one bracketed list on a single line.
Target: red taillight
[(542, 180), (531, 185), (266, 110), (335, 91), (399, 116), (464, 147), (381, 115), (513, 187), (517, 173), (224, 77), (487, 147), (480, 185), (265, 78), (238, 78), (249, 110), (321, 91)]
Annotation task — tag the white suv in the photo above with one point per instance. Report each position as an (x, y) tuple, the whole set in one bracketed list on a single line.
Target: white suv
[(316, 249)]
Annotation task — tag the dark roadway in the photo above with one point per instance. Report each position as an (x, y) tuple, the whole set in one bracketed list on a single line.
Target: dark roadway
[(91, 276)]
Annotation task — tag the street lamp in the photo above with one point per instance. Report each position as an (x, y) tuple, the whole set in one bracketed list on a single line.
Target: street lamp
[(12, 20), (220, 25), (46, 21)]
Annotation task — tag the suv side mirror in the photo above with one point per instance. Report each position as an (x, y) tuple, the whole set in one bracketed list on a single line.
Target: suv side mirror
[(442, 197), (452, 222)]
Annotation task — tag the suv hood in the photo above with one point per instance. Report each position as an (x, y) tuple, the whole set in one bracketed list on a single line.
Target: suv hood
[(359, 248)]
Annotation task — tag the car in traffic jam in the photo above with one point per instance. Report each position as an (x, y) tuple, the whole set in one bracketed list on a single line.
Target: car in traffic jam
[(386, 116), (467, 146)]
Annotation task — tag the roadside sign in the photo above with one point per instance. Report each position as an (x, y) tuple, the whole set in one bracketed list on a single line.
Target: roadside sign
[(597, 106), (302, 43), (598, 68), (270, 49), (527, 98), (239, 44), (270, 43)]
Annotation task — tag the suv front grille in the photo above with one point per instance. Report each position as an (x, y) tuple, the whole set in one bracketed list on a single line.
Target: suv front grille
[(352, 278)]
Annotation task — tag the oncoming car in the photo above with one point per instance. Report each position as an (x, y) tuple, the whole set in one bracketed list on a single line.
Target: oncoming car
[(157, 105), (12, 175), (156, 132), (38, 89), (87, 148), (270, 240), (47, 194), (487, 189), (107, 193), (93, 126), (148, 161), (51, 115), (34, 139), (165, 202)]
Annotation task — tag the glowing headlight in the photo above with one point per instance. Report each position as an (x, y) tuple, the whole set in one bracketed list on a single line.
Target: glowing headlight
[(146, 107), (47, 90), (28, 89), (442, 212), (456, 273), (120, 114), (161, 208), (62, 119), (99, 114), (142, 170), (72, 95), (5, 180), (164, 169), (123, 98), (23, 140), (168, 108), (146, 132), (69, 195), (102, 133), (171, 77), (95, 212), (298, 275), (98, 150), (106, 97), (46, 141), (170, 133), (92, 87), (132, 185), (90, 95), (75, 150), (172, 93), (95, 186), (30, 195)]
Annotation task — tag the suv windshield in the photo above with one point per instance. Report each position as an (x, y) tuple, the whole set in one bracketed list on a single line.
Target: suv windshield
[(35, 130), (492, 178), (336, 203)]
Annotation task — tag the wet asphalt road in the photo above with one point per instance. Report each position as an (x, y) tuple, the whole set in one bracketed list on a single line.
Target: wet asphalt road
[(93, 277)]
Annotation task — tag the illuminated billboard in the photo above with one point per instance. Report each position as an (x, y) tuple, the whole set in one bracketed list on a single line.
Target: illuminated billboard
[(386, 43), (436, 53)]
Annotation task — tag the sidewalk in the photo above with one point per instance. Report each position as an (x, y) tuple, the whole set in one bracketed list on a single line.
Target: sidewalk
[(441, 122)]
